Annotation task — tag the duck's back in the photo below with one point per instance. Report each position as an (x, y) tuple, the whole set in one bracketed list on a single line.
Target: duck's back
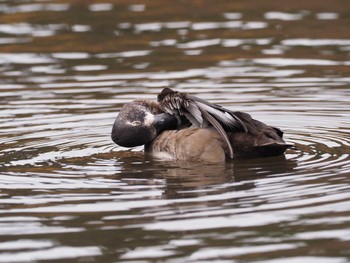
[(206, 144), (261, 140)]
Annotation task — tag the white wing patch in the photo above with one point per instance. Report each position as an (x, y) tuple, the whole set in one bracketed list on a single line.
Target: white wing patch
[(195, 113), (220, 115)]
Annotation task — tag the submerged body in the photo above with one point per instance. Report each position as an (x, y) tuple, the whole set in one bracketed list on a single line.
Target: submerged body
[(217, 135)]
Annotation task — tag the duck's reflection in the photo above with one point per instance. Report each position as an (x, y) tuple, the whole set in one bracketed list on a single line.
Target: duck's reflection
[(186, 180), (249, 169)]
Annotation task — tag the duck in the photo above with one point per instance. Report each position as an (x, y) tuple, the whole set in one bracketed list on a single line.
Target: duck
[(182, 127)]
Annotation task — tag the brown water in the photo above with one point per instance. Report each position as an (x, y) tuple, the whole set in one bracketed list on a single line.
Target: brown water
[(68, 194)]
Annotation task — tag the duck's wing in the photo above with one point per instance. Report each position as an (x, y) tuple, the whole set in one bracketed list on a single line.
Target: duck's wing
[(201, 112), (193, 108), (224, 116), (220, 129)]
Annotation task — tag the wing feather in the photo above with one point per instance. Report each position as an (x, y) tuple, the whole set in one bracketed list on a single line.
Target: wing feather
[(194, 110), (220, 130), (227, 117), (192, 120)]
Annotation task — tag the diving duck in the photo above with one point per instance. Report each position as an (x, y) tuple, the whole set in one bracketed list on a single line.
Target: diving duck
[(180, 126)]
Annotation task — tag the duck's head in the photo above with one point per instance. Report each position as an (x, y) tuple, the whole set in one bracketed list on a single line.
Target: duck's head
[(140, 122)]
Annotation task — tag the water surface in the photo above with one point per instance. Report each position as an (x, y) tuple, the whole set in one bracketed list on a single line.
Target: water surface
[(68, 194)]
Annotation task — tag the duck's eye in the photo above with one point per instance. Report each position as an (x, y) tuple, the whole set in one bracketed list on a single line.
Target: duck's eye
[(136, 123)]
